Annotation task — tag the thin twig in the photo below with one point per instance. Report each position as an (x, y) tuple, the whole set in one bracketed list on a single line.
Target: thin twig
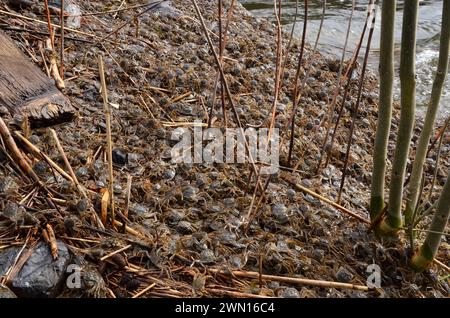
[(67, 163), (61, 69), (356, 108), (107, 111), (321, 198), (291, 280)]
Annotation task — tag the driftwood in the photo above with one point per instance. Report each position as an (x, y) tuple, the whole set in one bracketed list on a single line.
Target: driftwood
[(26, 91)]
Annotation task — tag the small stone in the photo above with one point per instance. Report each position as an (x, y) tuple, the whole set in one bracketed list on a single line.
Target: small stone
[(289, 293), (279, 212), (119, 157), (8, 185), (343, 275)]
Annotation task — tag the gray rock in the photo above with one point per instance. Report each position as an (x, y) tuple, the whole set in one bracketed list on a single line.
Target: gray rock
[(41, 275)]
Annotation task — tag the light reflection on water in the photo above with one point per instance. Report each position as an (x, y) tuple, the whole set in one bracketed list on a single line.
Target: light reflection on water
[(334, 31)]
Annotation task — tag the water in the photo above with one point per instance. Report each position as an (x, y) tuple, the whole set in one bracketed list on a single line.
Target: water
[(334, 31)]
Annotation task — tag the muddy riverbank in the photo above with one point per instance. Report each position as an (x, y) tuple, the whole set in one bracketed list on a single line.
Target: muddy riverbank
[(186, 221)]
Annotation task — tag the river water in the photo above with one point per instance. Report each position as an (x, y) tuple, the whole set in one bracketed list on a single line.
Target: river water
[(334, 31)]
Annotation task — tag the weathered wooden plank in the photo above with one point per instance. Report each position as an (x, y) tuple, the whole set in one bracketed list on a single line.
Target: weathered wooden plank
[(26, 90)]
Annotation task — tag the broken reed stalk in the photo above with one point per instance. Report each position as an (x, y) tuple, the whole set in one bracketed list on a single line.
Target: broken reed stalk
[(430, 118), (54, 68), (323, 199), (438, 156), (120, 27), (67, 163), (52, 241), (49, 24), (347, 77), (387, 42), (303, 83), (19, 16), (438, 134), (393, 219), (37, 152), (291, 36), (61, 17), (145, 290), (289, 280), (358, 102), (227, 88), (279, 53), (221, 49), (16, 153), (115, 252), (296, 79), (223, 43), (278, 69), (340, 79), (107, 110), (425, 255)]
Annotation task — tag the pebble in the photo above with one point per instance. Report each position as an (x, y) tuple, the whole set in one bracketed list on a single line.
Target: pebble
[(41, 275), (8, 185)]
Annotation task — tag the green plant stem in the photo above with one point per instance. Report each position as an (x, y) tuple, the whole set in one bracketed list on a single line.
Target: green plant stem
[(421, 152), (427, 251), (385, 107), (393, 219)]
